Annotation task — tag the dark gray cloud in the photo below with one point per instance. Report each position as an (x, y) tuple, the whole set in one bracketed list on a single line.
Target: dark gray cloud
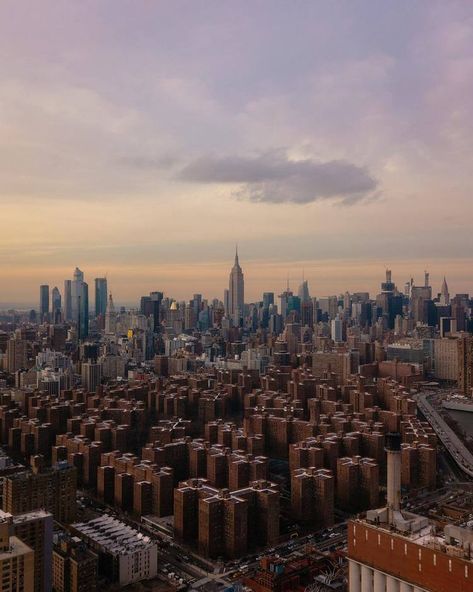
[(273, 178)]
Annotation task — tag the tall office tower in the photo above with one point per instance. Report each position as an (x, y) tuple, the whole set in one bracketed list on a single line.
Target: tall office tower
[(100, 296), (307, 313), (16, 353), (189, 317), (80, 303), (268, 302), (388, 285), (67, 300), (36, 530), (420, 296), (303, 291), (444, 294), (197, 305), (16, 561), (337, 330), (459, 304), (226, 301), (389, 302), (268, 299), (91, 376), (284, 298), (110, 317), (44, 303), (56, 306), (236, 292), (156, 299)]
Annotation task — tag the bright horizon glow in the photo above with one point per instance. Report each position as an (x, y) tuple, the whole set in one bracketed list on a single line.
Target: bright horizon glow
[(325, 278)]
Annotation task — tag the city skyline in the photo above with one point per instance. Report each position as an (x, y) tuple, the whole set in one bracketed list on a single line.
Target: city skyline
[(236, 296), (256, 283), (322, 135), (332, 282)]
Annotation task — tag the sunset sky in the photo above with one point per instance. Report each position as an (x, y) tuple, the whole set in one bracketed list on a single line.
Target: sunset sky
[(143, 139)]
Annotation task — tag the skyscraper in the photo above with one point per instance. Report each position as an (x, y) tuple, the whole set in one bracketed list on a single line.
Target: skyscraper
[(110, 316), (44, 302), (236, 292), (444, 294), (100, 296), (156, 299), (80, 303), (303, 291), (67, 300), (56, 305)]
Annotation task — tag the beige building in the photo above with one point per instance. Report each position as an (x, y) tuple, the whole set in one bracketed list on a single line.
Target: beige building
[(339, 363), (16, 354), (446, 358), (16, 561), (74, 566)]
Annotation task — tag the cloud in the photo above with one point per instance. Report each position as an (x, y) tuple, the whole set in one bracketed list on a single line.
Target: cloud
[(144, 163), (273, 178)]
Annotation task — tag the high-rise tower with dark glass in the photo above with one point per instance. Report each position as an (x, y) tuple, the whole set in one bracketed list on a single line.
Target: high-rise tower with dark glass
[(101, 295)]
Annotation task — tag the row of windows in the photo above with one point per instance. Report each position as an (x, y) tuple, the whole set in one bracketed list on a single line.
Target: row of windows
[(434, 556)]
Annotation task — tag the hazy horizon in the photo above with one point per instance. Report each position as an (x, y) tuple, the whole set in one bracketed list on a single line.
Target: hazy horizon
[(325, 278)]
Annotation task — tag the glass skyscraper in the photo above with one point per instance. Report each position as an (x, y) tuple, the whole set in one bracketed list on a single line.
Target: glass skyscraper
[(101, 296)]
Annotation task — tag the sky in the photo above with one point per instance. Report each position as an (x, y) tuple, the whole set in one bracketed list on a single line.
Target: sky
[(142, 140)]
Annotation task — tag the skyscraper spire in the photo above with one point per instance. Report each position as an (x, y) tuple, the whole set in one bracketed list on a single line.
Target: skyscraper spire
[(444, 294), (236, 291)]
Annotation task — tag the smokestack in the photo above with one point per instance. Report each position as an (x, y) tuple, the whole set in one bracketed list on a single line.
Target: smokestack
[(393, 451)]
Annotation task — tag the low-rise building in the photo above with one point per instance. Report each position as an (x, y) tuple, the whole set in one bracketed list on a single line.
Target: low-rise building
[(125, 555)]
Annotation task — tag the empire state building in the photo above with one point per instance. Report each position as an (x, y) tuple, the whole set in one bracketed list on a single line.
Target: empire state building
[(236, 292)]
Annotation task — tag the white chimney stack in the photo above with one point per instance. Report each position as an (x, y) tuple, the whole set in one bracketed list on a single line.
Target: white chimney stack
[(393, 451)]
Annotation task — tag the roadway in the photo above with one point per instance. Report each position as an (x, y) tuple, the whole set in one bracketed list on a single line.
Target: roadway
[(324, 540), (458, 451)]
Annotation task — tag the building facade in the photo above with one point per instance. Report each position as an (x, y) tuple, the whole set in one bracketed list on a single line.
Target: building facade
[(236, 293)]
